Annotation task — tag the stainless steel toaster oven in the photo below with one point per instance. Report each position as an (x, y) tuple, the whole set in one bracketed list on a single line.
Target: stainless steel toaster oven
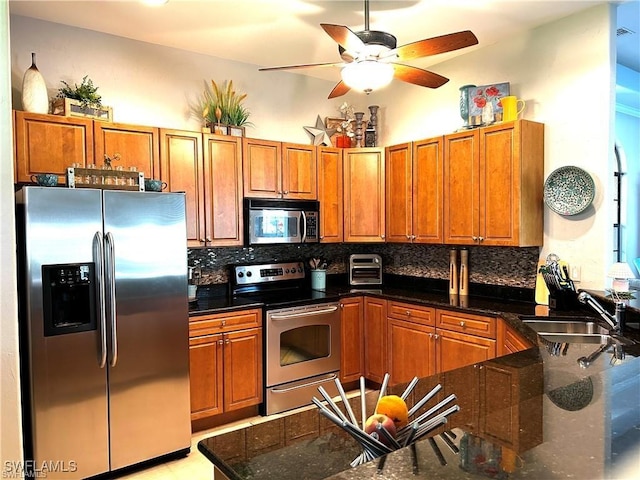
[(365, 269)]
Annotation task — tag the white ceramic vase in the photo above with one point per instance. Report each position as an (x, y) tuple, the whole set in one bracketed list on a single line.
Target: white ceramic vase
[(34, 90)]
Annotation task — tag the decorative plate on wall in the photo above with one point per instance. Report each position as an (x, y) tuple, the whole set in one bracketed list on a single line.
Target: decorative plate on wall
[(569, 190)]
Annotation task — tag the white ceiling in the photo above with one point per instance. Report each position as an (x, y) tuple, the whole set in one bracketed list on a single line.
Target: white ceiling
[(287, 32)]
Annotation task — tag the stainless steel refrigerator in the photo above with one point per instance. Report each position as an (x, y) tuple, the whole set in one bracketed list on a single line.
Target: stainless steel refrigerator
[(103, 327)]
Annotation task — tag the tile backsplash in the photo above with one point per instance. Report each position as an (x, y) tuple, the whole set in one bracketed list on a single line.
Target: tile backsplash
[(509, 266)]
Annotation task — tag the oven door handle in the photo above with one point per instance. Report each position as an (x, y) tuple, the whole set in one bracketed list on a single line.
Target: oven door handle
[(328, 378), (302, 314)]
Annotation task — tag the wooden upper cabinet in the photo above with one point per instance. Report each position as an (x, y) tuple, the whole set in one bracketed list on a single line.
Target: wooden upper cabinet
[(50, 144), (137, 145), (330, 194), (182, 169), (493, 181), (428, 158), (223, 190), (511, 184), (299, 171), (414, 191), (364, 195), (262, 168), (461, 187), (399, 202)]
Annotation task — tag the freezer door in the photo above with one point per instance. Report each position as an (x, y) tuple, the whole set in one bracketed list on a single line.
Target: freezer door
[(149, 339), (68, 401)]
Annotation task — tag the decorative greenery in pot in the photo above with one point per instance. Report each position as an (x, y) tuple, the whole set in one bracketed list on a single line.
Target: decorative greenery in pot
[(85, 93), (223, 105)]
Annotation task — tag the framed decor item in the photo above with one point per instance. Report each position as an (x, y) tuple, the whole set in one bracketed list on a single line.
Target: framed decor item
[(486, 98)]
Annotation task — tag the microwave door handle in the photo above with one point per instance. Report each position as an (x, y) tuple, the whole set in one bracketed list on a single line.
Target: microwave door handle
[(304, 226)]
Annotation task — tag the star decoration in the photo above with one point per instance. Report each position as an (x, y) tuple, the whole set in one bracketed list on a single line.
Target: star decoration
[(321, 136)]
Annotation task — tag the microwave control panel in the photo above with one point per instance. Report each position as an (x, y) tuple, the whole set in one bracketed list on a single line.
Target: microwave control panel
[(312, 225)]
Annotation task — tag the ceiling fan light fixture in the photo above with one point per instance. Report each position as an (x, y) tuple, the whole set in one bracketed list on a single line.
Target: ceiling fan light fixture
[(367, 75)]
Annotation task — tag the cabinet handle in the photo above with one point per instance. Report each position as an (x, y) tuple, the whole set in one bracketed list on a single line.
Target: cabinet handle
[(474, 238), (223, 323), (286, 192), (462, 324), (342, 305), (220, 342), (408, 313), (208, 240), (431, 335), (382, 236), (481, 239), (413, 237), (408, 237), (436, 336), (227, 341)]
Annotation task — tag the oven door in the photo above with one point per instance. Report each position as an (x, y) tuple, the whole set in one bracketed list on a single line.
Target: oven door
[(302, 342), (268, 226)]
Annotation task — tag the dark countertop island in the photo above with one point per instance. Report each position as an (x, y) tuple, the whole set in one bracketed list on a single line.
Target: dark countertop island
[(534, 414)]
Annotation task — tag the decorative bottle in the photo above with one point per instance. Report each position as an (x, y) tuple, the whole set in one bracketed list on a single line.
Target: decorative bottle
[(359, 135), (464, 103), (34, 90), (373, 125)]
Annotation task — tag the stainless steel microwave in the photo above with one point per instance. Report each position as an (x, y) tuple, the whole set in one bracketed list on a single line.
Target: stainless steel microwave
[(268, 221)]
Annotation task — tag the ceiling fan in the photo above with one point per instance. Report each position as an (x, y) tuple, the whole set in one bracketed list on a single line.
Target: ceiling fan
[(371, 58)]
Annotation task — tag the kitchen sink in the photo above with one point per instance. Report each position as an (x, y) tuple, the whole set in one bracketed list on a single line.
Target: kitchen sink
[(568, 329)]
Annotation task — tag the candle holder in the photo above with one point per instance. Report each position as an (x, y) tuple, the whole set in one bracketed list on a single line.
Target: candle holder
[(359, 117)]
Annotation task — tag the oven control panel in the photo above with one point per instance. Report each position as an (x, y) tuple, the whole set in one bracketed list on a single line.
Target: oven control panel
[(272, 272)]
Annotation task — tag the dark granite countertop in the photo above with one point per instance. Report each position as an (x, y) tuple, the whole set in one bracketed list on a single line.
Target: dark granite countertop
[(560, 420)]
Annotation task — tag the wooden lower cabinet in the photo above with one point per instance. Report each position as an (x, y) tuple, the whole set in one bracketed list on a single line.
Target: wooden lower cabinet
[(375, 339), (455, 350), (509, 340), (411, 351), (225, 362), (351, 345)]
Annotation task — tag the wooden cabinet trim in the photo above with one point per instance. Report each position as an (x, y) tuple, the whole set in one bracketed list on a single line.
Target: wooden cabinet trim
[(466, 323), (224, 322), (412, 313)]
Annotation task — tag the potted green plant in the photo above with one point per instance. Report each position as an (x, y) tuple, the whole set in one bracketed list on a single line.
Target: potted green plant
[(81, 100), (223, 110)]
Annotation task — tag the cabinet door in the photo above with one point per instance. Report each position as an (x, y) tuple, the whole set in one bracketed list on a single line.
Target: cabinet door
[(181, 168), (364, 200), (375, 339), (50, 144), (455, 350), (330, 192), (205, 375), (299, 171), (428, 157), (399, 203), (461, 188), (509, 340), (411, 351), (242, 369), (499, 207), (511, 184), (352, 339), (223, 190), (138, 146), (262, 168)]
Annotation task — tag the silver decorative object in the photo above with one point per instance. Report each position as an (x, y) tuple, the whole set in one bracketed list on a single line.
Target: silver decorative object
[(359, 135), (372, 445), (372, 128)]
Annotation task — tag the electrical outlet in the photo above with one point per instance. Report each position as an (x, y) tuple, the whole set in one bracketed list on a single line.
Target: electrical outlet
[(575, 273)]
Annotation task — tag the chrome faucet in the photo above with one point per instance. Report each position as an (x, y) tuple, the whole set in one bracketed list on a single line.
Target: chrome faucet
[(615, 322)]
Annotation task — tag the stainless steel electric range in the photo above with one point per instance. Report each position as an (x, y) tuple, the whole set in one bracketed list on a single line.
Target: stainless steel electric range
[(301, 333)]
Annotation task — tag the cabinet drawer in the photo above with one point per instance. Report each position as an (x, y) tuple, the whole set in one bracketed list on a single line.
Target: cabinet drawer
[(224, 322), (411, 313), (466, 323)]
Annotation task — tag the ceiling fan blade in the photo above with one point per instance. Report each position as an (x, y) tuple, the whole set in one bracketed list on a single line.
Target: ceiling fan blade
[(308, 65), (340, 89), (418, 76), (344, 37), (434, 46)]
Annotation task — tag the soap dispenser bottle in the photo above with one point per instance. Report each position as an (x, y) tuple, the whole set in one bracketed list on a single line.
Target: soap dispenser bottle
[(453, 271)]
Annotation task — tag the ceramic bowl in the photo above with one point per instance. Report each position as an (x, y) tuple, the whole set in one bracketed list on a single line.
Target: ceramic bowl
[(45, 179), (153, 185)]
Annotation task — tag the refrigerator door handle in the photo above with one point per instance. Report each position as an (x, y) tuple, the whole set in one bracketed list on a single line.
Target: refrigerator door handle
[(110, 266), (97, 238)]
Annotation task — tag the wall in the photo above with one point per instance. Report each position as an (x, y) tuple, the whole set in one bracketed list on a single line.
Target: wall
[(564, 71), (10, 414)]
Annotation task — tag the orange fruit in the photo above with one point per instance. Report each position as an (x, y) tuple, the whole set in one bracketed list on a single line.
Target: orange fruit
[(395, 408)]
